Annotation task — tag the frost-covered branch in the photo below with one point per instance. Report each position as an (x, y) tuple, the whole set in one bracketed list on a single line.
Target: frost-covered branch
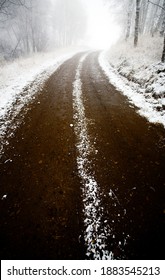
[(19, 3), (156, 5), (5, 4), (2, 4)]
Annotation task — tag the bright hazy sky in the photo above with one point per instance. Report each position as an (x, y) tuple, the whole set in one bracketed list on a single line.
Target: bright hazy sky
[(102, 30)]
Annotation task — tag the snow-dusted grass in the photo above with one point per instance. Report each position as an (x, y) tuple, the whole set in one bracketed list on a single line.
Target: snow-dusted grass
[(15, 76), (148, 51), (139, 74), (20, 81)]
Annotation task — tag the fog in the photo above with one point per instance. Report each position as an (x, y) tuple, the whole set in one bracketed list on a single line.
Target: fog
[(103, 30), (28, 26)]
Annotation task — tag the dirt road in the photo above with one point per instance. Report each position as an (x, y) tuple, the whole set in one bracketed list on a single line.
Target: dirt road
[(83, 177)]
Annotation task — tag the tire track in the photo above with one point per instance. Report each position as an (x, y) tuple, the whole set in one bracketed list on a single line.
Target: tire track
[(95, 234)]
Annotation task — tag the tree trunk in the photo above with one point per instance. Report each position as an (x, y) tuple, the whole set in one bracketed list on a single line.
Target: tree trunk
[(163, 20), (155, 20), (143, 15), (163, 54), (137, 23), (128, 22)]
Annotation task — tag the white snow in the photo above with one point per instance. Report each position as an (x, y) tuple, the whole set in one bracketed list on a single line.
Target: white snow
[(139, 75), (95, 234), (20, 81), (4, 197)]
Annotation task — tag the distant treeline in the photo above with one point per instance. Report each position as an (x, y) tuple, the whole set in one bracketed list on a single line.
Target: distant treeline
[(140, 17), (28, 26)]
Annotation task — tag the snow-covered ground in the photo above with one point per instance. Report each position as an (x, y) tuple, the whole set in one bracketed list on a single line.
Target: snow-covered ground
[(20, 81), (139, 74)]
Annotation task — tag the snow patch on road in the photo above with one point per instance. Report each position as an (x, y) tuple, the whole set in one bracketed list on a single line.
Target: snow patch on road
[(95, 232), (147, 106), (19, 84)]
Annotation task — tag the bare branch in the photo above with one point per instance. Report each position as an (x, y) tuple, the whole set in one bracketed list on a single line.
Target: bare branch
[(14, 50), (1, 5), (156, 5), (20, 3)]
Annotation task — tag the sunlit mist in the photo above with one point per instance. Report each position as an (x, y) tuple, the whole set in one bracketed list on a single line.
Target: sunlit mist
[(102, 30)]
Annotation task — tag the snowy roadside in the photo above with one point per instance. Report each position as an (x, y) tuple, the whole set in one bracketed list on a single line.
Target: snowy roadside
[(140, 78), (19, 83)]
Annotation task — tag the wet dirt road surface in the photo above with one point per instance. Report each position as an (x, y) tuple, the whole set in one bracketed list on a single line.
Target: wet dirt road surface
[(83, 177)]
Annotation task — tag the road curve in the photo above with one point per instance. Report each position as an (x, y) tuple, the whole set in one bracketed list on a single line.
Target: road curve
[(83, 177)]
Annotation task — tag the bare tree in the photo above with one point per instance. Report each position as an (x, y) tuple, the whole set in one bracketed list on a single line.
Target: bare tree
[(162, 20), (69, 22), (129, 19), (136, 35), (25, 25), (163, 54), (143, 15), (163, 31)]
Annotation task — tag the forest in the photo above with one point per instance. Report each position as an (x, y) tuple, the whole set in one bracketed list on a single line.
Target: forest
[(28, 26)]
